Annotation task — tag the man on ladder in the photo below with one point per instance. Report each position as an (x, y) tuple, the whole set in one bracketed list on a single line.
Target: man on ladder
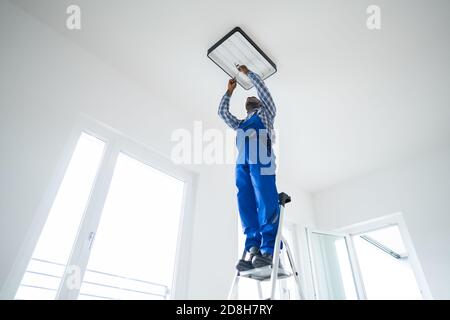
[(258, 199), (257, 194)]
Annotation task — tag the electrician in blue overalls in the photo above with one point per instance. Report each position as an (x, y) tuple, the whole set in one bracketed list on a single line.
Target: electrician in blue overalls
[(257, 194)]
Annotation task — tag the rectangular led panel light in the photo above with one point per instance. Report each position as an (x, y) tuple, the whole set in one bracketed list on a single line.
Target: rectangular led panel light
[(236, 48)]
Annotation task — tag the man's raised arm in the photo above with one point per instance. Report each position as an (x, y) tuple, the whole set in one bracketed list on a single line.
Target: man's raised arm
[(263, 92), (224, 107)]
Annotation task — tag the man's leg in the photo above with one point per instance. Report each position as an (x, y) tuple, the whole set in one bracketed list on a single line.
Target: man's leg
[(266, 196), (247, 207)]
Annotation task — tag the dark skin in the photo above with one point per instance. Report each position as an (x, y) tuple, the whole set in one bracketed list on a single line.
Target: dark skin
[(252, 102)]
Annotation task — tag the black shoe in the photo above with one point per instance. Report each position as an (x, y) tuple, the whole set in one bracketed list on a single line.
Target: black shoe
[(263, 260), (245, 265)]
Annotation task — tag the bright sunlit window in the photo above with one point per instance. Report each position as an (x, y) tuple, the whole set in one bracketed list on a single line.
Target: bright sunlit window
[(45, 270), (385, 269), (119, 228), (133, 256), (346, 269), (332, 270)]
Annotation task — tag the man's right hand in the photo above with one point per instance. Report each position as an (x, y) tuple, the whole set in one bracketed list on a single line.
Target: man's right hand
[(243, 69), (231, 86)]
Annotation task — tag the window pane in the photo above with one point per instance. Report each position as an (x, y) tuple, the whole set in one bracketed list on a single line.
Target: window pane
[(332, 268), (384, 276), (45, 270), (389, 237), (133, 256)]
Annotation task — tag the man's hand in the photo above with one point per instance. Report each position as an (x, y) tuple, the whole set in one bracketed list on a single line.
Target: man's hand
[(231, 86), (243, 69)]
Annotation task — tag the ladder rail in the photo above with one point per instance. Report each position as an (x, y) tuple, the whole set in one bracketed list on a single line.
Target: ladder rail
[(260, 293), (276, 254), (233, 293), (294, 269)]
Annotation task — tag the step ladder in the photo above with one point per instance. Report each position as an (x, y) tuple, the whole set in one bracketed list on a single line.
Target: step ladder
[(271, 273)]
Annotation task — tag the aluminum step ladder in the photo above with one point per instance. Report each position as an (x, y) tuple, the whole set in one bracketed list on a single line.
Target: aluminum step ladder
[(271, 273)]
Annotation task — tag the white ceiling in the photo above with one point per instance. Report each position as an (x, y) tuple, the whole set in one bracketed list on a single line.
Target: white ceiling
[(349, 100)]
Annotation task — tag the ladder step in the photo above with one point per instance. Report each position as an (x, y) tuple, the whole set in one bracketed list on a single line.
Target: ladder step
[(264, 273)]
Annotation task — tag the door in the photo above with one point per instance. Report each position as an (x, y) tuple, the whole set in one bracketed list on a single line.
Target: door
[(334, 274)]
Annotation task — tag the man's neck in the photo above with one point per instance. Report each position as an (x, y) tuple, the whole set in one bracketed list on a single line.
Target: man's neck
[(252, 111)]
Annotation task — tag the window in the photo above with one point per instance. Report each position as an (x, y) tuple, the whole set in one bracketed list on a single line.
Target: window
[(133, 255), (113, 231), (384, 264), (369, 260), (331, 264), (46, 267)]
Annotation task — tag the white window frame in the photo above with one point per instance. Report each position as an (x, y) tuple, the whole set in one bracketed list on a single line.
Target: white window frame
[(116, 142), (295, 247), (356, 274), (295, 250), (391, 220)]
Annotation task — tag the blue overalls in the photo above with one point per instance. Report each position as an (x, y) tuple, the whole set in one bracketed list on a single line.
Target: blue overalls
[(255, 180)]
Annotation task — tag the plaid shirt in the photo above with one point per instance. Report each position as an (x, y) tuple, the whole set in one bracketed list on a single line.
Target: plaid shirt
[(266, 111)]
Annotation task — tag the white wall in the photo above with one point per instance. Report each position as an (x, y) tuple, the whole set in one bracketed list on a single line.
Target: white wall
[(419, 188), (45, 83)]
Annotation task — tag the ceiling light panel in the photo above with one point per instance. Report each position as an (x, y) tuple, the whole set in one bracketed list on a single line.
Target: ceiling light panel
[(236, 48)]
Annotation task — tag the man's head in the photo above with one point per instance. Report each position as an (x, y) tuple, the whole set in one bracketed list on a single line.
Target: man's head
[(251, 104)]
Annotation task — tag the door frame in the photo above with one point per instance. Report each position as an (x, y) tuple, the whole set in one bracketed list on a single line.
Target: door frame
[(115, 142)]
